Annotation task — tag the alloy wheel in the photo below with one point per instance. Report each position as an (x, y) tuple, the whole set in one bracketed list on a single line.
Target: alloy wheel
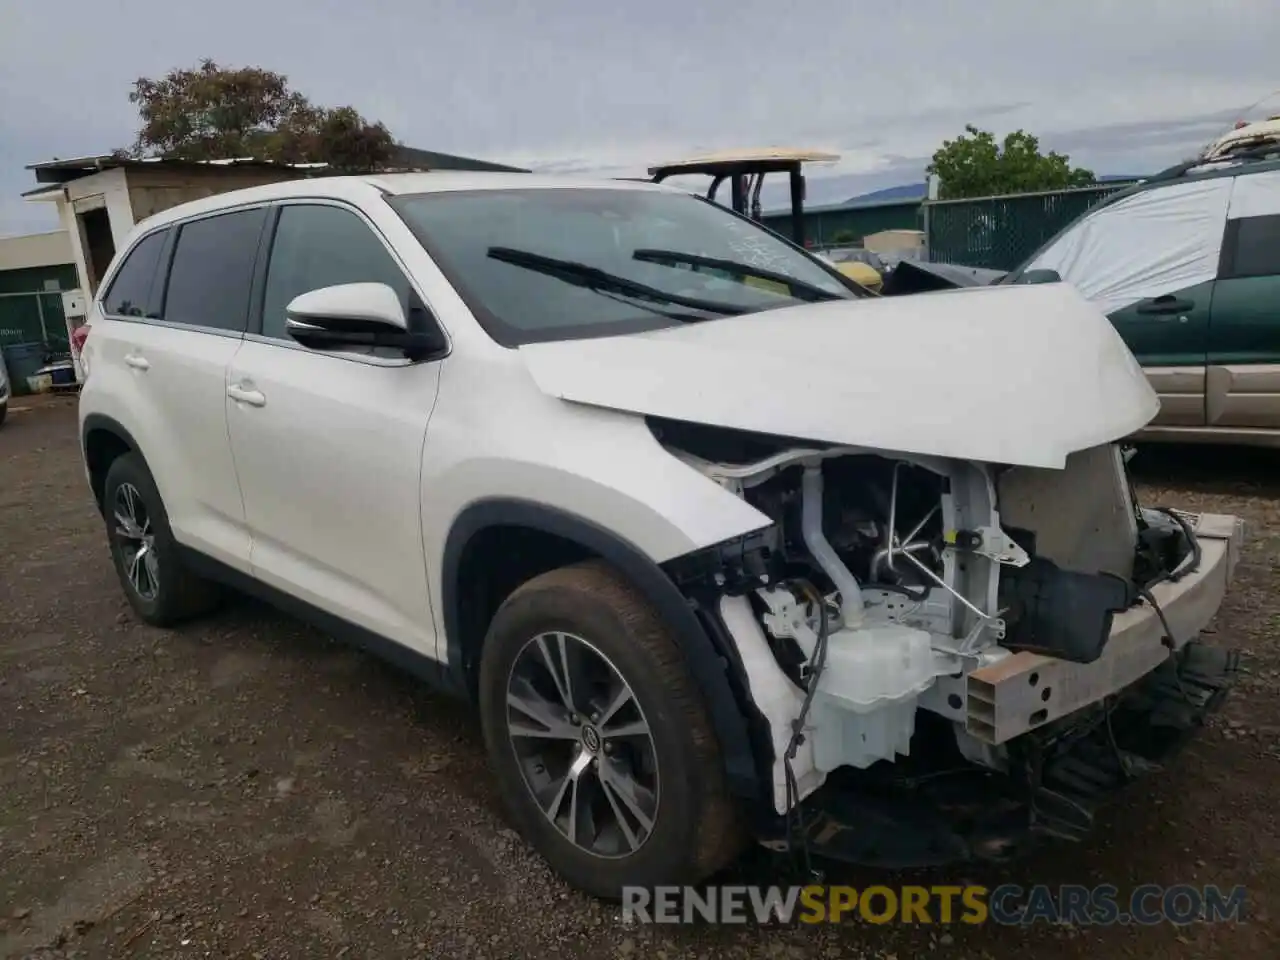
[(137, 541), (583, 745)]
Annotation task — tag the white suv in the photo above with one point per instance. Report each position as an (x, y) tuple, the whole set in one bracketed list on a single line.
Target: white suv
[(722, 547)]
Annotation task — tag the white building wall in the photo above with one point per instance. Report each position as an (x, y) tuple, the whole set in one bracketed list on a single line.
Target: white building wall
[(35, 250)]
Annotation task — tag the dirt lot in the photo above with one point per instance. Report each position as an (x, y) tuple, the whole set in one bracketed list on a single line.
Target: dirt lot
[(246, 788)]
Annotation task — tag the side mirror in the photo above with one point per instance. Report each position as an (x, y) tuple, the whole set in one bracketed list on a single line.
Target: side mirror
[(358, 315)]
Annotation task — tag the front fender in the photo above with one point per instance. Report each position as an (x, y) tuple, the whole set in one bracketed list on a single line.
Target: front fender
[(709, 665)]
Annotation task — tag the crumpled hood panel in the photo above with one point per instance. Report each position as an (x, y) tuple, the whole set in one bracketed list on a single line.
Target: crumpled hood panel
[(1018, 375)]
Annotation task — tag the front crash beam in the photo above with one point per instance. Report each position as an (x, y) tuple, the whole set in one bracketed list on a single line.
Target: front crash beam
[(1053, 789), (1026, 691)]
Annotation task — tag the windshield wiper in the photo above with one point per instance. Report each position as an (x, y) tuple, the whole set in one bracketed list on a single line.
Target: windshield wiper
[(799, 288), (593, 278)]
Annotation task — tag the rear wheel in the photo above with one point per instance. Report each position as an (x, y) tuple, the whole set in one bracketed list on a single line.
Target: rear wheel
[(159, 587), (599, 738)]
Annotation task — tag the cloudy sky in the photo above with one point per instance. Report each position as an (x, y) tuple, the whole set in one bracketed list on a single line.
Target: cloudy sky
[(570, 85)]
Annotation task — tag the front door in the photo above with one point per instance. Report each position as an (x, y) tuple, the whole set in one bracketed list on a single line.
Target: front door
[(1149, 261), (328, 446), (1169, 334)]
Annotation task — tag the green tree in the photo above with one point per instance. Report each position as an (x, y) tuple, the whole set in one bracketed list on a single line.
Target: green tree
[(976, 165), (214, 112)]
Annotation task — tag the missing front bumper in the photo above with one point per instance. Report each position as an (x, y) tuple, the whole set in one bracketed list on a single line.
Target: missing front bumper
[(1027, 691), (1053, 789)]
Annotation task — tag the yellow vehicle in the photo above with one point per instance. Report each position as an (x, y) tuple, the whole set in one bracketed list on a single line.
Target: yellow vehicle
[(862, 273), (861, 266)]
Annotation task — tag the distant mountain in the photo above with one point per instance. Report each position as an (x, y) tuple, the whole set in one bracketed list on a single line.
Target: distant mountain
[(907, 191), (916, 191)]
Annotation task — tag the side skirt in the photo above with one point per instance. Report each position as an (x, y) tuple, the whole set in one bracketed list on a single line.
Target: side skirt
[(433, 672)]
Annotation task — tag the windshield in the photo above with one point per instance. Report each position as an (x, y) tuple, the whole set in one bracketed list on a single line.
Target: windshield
[(561, 263)]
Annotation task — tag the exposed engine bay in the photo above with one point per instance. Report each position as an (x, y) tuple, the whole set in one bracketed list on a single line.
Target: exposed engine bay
[(871, 614)]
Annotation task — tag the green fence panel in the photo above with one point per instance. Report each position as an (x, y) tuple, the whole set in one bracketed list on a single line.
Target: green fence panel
[(849, 223), (999, 233), (33, 318), (31, 305), (29, 279), (20, 320), (55, 322)]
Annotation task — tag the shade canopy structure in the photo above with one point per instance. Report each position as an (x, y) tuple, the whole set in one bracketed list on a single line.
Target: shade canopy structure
[(745, 170)]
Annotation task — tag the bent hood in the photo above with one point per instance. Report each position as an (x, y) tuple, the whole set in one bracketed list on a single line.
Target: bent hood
[(1017, 375)]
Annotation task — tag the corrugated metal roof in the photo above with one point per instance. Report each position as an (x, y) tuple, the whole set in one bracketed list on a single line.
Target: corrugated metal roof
[(407, 159)]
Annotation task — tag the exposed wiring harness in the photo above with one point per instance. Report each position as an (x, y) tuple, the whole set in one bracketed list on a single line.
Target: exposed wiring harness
[(795, 820), (1166, 633)]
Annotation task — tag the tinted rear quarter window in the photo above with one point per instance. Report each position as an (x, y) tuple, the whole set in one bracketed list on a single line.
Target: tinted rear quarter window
[(212, 270), (130, 292), (1252, 247)]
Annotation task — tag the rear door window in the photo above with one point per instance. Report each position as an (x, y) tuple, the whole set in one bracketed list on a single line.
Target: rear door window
[(1252, 248), (212, 270), (130, 293)]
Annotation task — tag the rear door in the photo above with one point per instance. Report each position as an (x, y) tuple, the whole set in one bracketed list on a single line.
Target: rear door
[(1243, 384), (175, 362)]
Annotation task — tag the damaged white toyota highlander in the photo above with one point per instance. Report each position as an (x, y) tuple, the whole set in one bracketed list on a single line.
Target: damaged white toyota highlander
[(724, 549)]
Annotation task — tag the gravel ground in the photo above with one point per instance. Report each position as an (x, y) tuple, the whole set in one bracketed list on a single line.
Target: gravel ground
[(245, 788)]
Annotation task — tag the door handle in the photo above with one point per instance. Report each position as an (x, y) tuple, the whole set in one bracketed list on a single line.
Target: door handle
[(1166, 305), (254, 398), (137, 362)]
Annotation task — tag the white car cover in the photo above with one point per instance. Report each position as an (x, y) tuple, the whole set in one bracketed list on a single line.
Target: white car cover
[(1158, 241)]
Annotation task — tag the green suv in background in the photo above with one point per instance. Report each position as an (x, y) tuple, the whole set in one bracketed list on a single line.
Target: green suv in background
[(1187, 266)]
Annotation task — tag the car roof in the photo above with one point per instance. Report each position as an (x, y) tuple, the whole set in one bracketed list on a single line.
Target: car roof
[(372, 186)]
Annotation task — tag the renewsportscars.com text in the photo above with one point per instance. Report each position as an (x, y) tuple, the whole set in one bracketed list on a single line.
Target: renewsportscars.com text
[(1008, 904)]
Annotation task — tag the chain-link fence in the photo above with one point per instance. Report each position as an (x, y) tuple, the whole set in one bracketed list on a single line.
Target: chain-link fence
[(847, 224), (999, 233)]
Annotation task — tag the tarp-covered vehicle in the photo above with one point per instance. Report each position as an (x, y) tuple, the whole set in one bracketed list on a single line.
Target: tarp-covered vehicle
[(1186, 265)]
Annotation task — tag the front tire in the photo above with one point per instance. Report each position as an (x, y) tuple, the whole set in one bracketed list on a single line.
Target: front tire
[(599, 738), (159, 587)]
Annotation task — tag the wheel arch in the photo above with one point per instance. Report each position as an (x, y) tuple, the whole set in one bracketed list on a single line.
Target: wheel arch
[(102, 441), (570, 538)]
